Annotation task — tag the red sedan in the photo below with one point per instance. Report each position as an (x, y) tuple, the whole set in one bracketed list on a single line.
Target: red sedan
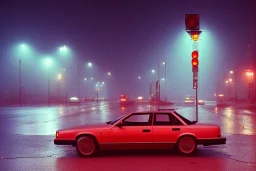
[(141, 130)]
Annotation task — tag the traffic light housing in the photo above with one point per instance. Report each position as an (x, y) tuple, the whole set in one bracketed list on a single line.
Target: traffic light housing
[(192, 22), (194, 54), (195, 61)]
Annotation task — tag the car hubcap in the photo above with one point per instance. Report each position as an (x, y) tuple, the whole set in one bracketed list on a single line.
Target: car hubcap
[(86, 146), (187, 145)]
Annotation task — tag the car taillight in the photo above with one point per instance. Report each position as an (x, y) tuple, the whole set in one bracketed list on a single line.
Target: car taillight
[(57, 134)]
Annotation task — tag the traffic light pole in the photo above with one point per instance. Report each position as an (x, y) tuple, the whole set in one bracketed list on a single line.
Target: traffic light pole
[(196, 104), (192, 27)]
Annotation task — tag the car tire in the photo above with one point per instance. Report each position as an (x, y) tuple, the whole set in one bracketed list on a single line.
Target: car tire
[(187, 145), (86, 146)]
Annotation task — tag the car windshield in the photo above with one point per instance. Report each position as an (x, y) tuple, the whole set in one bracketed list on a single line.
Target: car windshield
[(185, 120), (114, 121)]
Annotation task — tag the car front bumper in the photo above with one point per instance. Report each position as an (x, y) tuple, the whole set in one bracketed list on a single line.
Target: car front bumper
[(64, 142), (212, 141)]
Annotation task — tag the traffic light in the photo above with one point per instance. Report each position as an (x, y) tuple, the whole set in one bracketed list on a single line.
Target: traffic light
[(192, 22), (194, 61), (195, 54)]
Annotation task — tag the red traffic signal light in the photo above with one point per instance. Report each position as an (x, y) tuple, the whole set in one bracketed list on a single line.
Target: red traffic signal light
[(194, 54), (195, 62), (192, 21)]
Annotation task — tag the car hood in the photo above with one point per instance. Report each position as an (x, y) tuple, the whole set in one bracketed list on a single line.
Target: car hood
[(89, 126)]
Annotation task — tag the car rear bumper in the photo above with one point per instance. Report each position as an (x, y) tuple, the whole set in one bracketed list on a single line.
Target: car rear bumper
[(212, 141), (64, 142)]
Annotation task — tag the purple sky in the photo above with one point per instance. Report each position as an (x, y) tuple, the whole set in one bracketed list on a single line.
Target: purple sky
[(121, 37)]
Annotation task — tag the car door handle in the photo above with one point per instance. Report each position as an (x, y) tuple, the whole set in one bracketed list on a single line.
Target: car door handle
[(176, 129), (146, 130)]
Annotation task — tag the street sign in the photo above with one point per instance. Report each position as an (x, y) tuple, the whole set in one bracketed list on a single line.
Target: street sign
[(195, 84), (195, 80)]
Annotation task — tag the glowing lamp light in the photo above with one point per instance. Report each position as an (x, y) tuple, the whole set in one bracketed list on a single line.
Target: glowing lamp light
[(59, 77), (195, 62), (194, 54), (195, 37), (74, 99), (140, 98), (89, 64), (249, 73)]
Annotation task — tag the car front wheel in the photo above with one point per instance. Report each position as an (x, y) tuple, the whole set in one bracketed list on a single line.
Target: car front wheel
[(187, 145), (86, 146)]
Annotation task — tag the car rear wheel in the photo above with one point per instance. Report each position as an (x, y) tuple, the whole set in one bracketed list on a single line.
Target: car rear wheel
[(86, 146), (187, 145)]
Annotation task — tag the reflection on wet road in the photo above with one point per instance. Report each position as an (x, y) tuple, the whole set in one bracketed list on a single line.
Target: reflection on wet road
[(27, 139)]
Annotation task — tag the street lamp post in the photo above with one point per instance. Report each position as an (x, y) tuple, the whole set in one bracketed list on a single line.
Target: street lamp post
[(48, 63), (24, 48), (59, 78), (20, 89), (86, 89), (250, 74), (228, 82), (235, 81), (164, 63), (48, 88), (78, 68)]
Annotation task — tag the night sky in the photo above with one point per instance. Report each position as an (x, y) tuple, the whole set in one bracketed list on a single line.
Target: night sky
[(122, 37)]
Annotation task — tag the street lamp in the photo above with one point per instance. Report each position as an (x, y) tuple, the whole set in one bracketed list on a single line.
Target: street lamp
[(63, 48), (64, 51), (89, 64), (153, 72)]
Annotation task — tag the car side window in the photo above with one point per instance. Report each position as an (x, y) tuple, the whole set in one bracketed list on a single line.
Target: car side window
[(175, 121), (166, 119), (138, 120), (162, 119)]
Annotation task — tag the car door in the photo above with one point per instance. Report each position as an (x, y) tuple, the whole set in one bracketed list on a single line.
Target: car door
[(166, 128), (135, 132)]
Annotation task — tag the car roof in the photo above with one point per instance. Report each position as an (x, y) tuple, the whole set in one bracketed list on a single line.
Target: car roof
[(158, 111)]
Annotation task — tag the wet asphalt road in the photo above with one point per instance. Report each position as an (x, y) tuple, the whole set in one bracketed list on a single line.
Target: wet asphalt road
[(27, 135)]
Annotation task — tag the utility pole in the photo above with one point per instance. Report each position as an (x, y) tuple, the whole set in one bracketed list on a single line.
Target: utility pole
[(252, 55), (78, 81), (20, 80), (165, 80), (157, 82), (48, 88)]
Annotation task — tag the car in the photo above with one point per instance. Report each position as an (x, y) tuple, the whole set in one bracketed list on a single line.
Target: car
[(189, 100), (201, 102), (160, 129)]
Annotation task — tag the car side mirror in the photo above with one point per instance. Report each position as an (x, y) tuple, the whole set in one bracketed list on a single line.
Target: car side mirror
[(119, 124)]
